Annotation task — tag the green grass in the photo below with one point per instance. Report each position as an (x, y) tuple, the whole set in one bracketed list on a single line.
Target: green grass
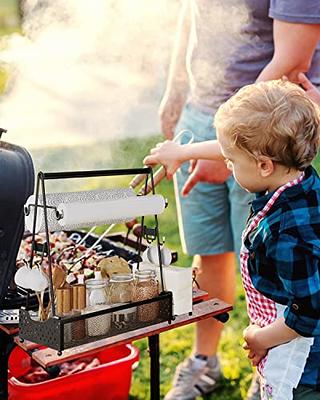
[(9, 17), (9, 23)]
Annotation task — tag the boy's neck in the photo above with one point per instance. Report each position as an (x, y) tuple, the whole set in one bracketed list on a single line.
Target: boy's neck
[(281, 176)]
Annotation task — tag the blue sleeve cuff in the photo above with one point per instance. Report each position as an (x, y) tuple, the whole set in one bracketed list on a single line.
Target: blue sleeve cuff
[(304, 326), (296, 11)]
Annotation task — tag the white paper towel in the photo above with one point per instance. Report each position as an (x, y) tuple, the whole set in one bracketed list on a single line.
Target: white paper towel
[(177, 280), (54, 199), (80, 215)]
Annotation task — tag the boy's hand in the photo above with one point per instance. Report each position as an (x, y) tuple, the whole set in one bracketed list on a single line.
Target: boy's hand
[(205, 171), (168, 154), (255, 358), (256, 351), (310, 89)]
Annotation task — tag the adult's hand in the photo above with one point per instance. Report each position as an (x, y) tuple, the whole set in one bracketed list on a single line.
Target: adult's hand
[(205, 171), (310, 89), (169, 112)]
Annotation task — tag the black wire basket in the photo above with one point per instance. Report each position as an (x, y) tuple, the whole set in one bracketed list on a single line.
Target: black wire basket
[(62, 332)]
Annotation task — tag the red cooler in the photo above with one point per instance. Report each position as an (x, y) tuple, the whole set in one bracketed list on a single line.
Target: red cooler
[(109, 381)]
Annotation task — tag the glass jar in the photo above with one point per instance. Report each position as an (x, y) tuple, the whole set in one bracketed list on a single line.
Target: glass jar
[(96, 300), (146, 287), (121, 292)]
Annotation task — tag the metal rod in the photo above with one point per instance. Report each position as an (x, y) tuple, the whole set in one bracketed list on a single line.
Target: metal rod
[(45, 214), (158, 176), (142, 223), (108, 230), (85, 237), (34, 222), (154, 349), (95, 173), (74, 247), (27, 208), (157, 234), (161, 299), (6, 346)]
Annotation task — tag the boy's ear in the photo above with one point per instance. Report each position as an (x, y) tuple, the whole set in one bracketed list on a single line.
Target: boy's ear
[(265, 166)]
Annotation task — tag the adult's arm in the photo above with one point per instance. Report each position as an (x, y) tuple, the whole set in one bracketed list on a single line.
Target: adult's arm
[(294, 46), (177, 83)]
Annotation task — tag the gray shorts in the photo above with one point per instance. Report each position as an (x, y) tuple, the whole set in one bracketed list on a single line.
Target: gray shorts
[(212, 217)]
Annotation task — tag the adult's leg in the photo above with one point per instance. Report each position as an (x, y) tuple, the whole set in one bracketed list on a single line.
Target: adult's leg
[(217, 277), (204, 225), (205, 230)]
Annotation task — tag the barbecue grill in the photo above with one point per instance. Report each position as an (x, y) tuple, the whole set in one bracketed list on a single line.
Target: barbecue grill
[(17, 179)]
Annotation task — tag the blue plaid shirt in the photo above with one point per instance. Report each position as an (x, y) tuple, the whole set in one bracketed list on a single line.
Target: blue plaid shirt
[(284, 261)]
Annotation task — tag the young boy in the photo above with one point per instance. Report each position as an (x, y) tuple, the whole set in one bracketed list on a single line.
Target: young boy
[(268, 133)]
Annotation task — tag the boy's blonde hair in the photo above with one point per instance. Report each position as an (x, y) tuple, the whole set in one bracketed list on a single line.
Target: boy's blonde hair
[(274, 119)]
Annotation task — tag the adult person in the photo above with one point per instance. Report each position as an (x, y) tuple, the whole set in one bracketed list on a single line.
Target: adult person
[(279, 38)]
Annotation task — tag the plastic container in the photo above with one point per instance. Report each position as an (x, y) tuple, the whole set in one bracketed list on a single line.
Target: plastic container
[(109, 381)]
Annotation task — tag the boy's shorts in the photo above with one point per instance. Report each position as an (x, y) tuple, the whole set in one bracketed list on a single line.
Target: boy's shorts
[(305, 393), (212, 217)]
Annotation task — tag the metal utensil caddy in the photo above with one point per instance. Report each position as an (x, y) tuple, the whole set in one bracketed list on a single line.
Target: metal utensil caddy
[(51, 332)]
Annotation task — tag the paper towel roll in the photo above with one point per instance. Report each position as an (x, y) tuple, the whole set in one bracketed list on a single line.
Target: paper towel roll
[(80, 215), (54, 199)]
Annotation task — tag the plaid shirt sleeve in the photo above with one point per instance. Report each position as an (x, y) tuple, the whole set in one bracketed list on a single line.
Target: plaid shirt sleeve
[(296, 263)]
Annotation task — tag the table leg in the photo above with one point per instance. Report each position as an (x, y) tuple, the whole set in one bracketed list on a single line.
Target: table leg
[(6, 346), (154, 349)]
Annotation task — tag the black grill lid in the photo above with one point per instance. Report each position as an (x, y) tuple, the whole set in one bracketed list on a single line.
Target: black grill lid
[(17, 184)]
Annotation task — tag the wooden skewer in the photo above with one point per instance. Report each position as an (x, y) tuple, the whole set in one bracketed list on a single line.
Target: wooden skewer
[(137, 180), (42, 313), (59, 276)]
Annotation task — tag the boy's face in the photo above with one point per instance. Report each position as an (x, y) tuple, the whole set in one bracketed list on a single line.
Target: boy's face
[(245, 169)]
